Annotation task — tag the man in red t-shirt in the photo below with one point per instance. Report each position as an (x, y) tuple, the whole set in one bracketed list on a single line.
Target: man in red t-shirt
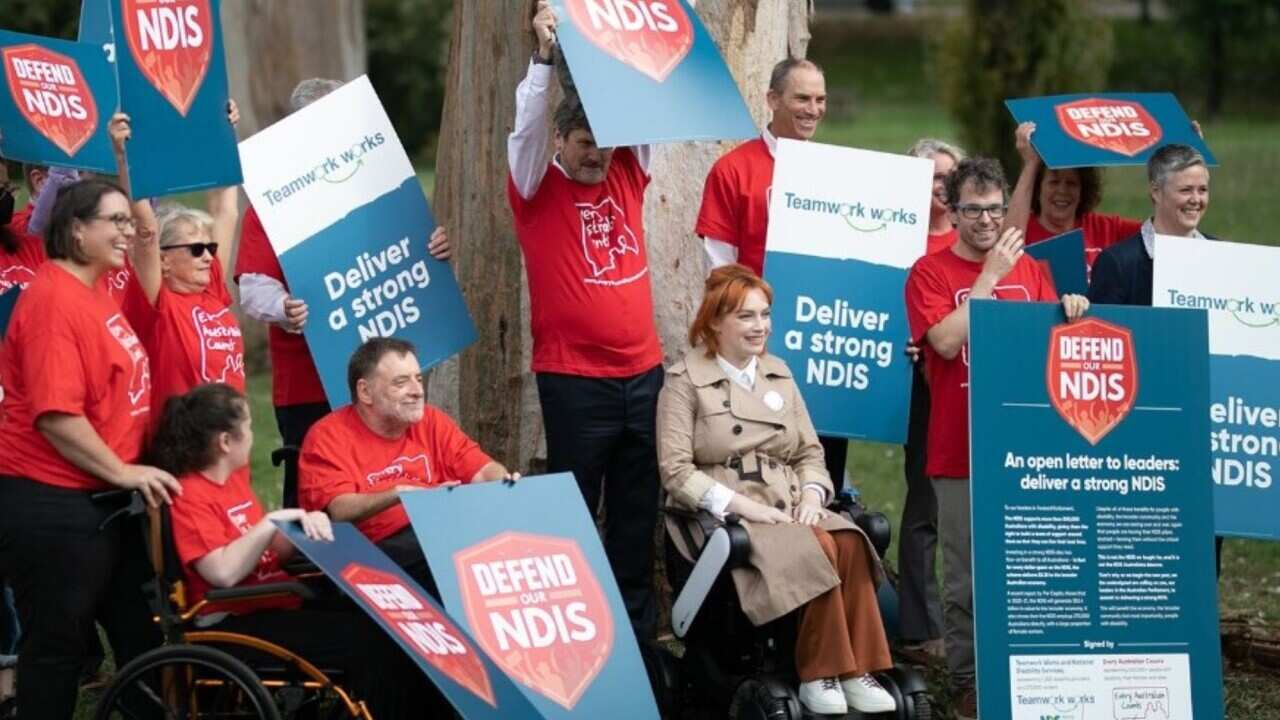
[(580, 223), (987, 261), (359, 459)]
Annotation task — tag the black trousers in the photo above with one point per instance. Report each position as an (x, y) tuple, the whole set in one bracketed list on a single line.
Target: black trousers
[(294, 421), (920, 614), (835, 451), (602, 430), (404, 550), (66, 574)]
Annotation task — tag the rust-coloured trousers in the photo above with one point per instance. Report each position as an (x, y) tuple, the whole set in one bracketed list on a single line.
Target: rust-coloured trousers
[(841, 634)]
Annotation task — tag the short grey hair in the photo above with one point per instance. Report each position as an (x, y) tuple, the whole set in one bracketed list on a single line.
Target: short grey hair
[(311, 90), (782, 72), (173, 217), (1170, 159), (928, 148)]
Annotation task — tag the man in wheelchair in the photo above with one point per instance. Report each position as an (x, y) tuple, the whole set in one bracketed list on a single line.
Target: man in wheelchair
[(734, 437)]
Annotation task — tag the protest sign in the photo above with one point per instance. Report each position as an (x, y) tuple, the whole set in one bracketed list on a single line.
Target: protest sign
[(415, 621), (1236, 284), (1064, 257), (1093, 558), (8, 301), (523, 566), (60, 96), (173, 85), (1105, 128), (657, 57), (95, 25), (346, 215), (845, 226)]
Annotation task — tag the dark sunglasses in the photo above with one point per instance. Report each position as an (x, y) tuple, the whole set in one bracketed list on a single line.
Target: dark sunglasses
[(197, 249)]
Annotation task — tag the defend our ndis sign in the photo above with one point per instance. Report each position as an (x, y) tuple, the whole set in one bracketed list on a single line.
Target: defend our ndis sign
[(845, 226), (647, 71), (1236, 284), (1105, 128), (60, 96), (1093, 557), (346, 215), (526, 572), (173, 85)]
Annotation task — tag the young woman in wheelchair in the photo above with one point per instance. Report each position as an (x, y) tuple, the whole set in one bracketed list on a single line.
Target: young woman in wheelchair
[(224, 539), (734, 437)]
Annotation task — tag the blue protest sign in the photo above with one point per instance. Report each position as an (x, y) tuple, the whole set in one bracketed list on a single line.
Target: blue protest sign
[(1105, 128), (524, 568), (415, 621), (648, 72), (95, 25), (1236, 284), (346, 215), (1064, 254), (60, 96), (1093, 558), (173, 85), (8, 301), (845, 226)]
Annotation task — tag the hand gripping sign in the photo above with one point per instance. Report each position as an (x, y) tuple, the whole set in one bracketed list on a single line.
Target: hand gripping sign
[(60, 95), (1105, 128), (647, 71), (416, 622), (525, 568)]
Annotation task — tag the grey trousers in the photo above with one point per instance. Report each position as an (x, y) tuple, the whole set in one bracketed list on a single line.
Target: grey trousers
[(920, 609), (957, 572)]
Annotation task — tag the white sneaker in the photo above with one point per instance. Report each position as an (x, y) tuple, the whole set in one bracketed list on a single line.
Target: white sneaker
[(824, 697), (866, 695)]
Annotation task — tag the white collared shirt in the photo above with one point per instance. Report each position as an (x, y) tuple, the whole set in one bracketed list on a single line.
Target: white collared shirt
[(1149, 237), (746, 376)]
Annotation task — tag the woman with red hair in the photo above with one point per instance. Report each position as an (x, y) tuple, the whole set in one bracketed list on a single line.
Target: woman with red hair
[(734, 437)]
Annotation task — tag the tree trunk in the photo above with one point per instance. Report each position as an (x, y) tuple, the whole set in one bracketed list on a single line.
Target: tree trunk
[(490, 389)]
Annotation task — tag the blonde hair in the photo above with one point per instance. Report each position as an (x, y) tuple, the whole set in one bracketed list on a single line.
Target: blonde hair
[(173, 218)]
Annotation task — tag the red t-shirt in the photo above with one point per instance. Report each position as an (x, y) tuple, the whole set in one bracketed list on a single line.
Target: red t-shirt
[(589, 292), (941, 241), (1100, 232), (18, 269), (70, 350), (208, 516), (294, 380), (735, 201), (937, 285), (192, 339), (342, 455)]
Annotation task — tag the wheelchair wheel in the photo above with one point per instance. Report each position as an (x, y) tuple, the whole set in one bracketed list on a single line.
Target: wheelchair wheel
[(186, 682), (764, 699), (909, 690)]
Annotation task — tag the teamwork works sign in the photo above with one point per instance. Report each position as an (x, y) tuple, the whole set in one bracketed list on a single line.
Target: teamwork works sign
[(845, 226), (1105, 128), (1236, 284), (527, 572), (1092, 530), (173, 85), (59, 98), (648, 72), (346, 215), (1064, 257), (417, 623)]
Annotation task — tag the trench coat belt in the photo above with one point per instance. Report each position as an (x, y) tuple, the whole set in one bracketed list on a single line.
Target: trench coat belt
[(749, 465)]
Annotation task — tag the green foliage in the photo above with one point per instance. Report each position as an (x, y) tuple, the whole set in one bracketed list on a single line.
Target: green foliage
[(51, 18), (408, 49), (1001, 50)]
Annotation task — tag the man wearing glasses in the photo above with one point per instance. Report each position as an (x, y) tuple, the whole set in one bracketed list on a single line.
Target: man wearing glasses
[(987, 262)]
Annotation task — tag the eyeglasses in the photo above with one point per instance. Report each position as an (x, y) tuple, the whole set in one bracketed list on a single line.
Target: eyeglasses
[(973, 212), (123, 223), (196, 249)]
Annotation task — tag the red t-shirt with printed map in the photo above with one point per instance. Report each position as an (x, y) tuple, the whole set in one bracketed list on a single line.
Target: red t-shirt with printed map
[(589, 292), (735, 201), (342, 455), (937, 285), (19, 268)]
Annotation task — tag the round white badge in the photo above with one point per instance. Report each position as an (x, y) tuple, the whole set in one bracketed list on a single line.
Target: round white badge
[(773, 400)]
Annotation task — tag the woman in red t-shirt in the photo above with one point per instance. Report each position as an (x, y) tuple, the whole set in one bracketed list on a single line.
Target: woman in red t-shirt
[(76, 405), (224, 539)]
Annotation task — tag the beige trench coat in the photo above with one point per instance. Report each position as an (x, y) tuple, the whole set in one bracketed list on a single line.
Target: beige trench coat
[(759, 443)]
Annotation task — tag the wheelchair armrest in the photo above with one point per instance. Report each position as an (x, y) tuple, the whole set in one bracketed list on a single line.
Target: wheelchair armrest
[(739, 542), (264, 590), (877, 528), (284, 454), (299, 565), (130, 503)]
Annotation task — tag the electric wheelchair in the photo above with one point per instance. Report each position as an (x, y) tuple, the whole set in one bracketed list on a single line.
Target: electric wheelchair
[(731, 668)]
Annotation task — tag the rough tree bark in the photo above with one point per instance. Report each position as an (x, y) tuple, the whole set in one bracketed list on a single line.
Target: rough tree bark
[(490, 388)]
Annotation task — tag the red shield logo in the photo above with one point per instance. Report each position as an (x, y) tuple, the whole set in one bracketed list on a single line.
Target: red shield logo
[(535, 606), (1092, 375), (650, 36), (1119, 126), (431, 635), (51, 93), (171, 42)]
